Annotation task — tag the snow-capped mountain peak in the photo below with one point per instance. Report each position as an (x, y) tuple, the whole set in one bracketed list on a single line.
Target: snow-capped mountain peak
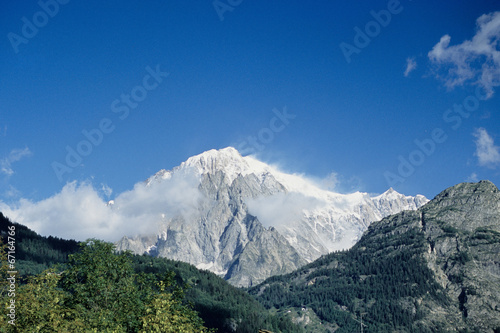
[(250, 220), (232, 164), (227, 160)]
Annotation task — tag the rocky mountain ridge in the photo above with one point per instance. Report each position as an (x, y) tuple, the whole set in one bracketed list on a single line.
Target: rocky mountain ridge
[(436, 269), (255, 221)]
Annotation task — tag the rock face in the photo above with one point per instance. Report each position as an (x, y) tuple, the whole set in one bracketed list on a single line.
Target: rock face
[(436, 269), (462, 228), (255, 221)]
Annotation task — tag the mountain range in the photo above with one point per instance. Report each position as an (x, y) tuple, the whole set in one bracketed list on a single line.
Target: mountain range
[(248, 220), (436, 269)]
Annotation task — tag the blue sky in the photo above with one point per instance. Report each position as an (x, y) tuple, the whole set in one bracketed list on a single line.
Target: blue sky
[(201, 75)]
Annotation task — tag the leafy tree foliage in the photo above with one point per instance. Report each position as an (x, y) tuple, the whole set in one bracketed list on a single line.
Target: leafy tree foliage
[(100, 292), (166, 314), (42, 307), (103, 287), (110, 292), (220, 305)]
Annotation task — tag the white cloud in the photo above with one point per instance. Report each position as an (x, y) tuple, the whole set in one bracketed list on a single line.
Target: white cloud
[(281, 209), (411, 65), (14, 156), (79, 212), (75, 212), (476, 60), (487, 153), (331, 181), (338, 183), (12, 192), (473, 178)]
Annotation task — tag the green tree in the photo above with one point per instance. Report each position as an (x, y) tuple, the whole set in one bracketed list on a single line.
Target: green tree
[(103, 288), (41, 307), (110, 297), (167, 313)]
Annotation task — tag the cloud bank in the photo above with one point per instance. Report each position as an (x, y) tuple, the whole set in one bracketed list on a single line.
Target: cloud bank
[(79, 212), (281, 209), (476, 60)]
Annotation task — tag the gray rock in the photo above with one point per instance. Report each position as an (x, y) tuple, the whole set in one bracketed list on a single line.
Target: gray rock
[(462, 227), (234, 231), (445, 276)]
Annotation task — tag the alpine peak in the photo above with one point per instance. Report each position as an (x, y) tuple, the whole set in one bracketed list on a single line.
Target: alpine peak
[(227, 160)]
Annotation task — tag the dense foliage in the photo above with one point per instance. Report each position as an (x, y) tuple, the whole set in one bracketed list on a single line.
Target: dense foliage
[(92, 286), (219, 304), (99, 292)]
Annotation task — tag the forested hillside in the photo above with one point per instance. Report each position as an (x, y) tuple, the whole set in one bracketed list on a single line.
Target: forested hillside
[(35, 253), (381, 278), (432, 270), (91, 287)]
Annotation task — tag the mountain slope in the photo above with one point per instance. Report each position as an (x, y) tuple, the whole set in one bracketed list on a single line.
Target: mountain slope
[(35, 253), (435, 269), (252, 221), (220, 305)]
